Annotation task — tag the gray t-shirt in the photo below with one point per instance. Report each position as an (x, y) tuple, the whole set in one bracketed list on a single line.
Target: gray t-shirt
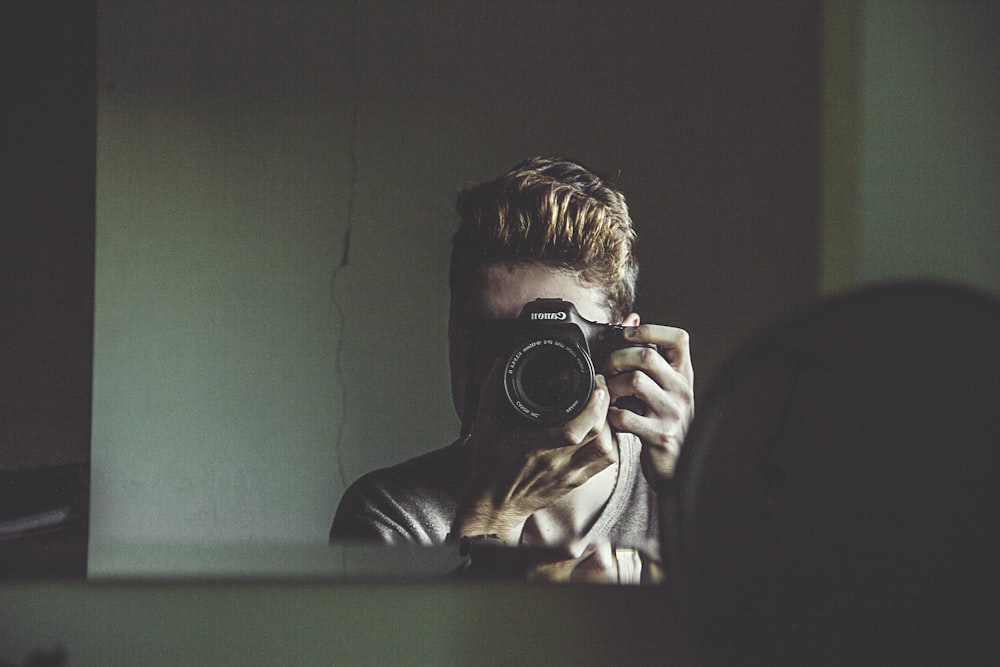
[(415, 502)]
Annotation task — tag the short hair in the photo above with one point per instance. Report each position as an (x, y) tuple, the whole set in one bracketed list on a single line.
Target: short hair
[(552, 212)]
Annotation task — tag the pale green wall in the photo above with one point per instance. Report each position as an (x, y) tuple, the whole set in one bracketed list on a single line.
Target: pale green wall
[(913, 143), (930, 206)]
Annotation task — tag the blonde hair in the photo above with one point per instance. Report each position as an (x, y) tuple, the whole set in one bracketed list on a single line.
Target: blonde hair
[(552, 212)]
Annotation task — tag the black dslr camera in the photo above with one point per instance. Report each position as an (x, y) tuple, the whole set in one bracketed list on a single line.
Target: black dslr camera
[(551, 354)]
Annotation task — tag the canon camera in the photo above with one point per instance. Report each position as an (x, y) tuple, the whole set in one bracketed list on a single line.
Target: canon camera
[(551, 354)]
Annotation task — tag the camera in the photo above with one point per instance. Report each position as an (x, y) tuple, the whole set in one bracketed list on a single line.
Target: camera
[(551, 353)]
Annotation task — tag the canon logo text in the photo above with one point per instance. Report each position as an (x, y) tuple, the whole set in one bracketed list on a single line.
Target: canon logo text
[(548, 316)]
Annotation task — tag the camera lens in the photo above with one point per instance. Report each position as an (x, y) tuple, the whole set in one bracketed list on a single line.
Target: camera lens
[(549, 380)]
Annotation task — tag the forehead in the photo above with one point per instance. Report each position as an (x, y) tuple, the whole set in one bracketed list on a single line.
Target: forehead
[(499, 291)]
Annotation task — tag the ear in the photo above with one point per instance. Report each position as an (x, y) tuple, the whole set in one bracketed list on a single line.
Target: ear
[(631, 320)]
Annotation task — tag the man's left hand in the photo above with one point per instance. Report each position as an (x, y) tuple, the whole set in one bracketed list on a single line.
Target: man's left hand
[(663, 379)]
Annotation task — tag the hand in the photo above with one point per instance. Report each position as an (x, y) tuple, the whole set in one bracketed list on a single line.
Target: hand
[(599, 564), (520, 468), (663, 379)]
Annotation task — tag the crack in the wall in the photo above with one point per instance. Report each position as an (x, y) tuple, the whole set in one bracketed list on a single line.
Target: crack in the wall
[(352, 163)]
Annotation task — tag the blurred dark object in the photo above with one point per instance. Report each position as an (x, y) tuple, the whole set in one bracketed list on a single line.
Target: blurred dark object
[(837, 497), (43, 522)]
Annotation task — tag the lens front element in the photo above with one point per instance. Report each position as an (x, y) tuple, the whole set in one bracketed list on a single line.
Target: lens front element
[(549, 380)]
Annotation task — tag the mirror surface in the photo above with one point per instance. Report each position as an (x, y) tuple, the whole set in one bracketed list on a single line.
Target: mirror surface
[(275, 186)]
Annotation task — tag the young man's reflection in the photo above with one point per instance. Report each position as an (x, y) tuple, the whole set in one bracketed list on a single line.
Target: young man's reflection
[(547, 229)]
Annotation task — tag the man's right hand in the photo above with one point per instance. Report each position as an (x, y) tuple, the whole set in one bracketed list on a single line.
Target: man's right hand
[(518, 469)]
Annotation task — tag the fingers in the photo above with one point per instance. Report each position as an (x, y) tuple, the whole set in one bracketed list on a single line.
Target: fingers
[(595, 455), (647, 359), (663, 426), (596, 565), (663, 379), (589, 443), (599, 564), (585, 426), (671, 398), (674, 345)]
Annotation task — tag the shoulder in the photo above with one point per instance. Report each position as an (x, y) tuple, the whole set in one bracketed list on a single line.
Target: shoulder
[(414, 501), (430, 475)]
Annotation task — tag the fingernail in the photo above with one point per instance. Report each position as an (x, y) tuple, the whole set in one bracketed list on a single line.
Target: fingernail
[(631, 332)]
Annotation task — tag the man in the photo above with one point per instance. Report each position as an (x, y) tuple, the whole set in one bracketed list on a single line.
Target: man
[(547, 229)]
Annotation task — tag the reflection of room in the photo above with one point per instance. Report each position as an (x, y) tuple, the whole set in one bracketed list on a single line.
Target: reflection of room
[(222, 187), (239, 380)]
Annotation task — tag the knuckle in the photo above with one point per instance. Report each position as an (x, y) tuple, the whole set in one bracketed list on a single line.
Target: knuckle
[(613, 363), (647, 355), (684, 396), (662, 441), (688, 397), (635, 382), (667, 444), (621, 419), (568, 436)]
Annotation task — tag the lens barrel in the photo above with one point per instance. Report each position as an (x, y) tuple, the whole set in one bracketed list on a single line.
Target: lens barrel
[(549, 380)]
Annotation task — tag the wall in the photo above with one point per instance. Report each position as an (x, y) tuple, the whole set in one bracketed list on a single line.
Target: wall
[(913, 144)]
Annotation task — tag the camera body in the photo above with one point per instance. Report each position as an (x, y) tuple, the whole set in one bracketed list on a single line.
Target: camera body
[(551, 354)]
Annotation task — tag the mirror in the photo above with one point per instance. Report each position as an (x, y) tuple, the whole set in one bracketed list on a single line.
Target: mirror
[(275, 190)]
